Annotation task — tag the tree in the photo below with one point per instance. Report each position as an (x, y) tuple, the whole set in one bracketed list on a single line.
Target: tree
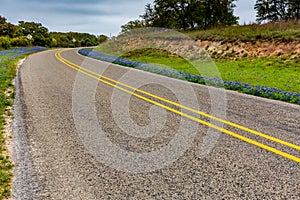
[(53, 42), (189, 14), (294, 9), (102, 38), (16, 35), (4, 42), (21, 41), (6, 28), (276, 10), (39, 33), (149, 15), (74, 39), (218, 12), (132, 25)]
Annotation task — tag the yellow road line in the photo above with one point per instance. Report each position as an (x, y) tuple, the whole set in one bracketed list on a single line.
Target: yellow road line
[(99, 78), (188, 109)]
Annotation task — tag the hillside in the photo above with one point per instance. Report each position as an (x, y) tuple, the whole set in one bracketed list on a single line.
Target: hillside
[(270, 39), (284, 31), (240, 60)]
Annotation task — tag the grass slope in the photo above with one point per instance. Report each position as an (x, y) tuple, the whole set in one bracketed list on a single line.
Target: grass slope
[(277, 71), (284, 31), (7, 73), (281, 73), (8, 63)]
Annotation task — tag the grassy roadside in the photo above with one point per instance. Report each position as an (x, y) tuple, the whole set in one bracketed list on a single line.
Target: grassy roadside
[(262, 60), (269, 77), (7, 73), (282, 73), (8, 69), (273, 72)]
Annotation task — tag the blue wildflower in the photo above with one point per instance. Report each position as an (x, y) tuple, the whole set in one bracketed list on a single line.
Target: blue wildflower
[(273, 93)]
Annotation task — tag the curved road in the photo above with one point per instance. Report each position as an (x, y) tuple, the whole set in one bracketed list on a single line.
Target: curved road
[(79, 137)]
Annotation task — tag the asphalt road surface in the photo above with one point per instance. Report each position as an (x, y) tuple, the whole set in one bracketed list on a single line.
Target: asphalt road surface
[(82, 136)]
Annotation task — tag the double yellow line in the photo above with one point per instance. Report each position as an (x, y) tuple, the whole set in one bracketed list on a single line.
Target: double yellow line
[(117, 84)]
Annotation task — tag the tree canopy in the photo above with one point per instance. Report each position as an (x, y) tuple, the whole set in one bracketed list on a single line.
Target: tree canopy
[(185, 14), (16, 35), (6, 28), (276, 10)]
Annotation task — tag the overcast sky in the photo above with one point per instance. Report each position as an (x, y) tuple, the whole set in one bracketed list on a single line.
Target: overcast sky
[(92, 16)]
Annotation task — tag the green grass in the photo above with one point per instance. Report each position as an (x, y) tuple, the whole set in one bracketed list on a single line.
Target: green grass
[(246, 34), (8, 62), (282, 73), (162, 59), (277, 32), (284, 31), (7, 73), (110, 48), (270, 72)]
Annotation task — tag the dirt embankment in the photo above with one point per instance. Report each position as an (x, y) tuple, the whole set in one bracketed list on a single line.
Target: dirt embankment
[(215, 49), (248, 49)]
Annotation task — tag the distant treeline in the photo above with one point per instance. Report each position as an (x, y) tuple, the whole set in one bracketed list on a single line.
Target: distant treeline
[(33, 33)]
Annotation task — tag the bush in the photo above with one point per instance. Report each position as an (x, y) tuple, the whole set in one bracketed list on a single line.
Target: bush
[(21, 41), (53, 42), (5, 42)]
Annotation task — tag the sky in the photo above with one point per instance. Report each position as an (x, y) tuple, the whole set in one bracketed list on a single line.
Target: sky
[(91, 16)]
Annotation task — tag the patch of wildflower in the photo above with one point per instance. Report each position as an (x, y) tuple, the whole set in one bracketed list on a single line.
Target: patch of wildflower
[(12, 54), (261, 91)]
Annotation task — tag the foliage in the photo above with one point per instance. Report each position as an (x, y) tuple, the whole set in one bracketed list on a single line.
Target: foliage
[(132, 25), (16, 36), (6, 29), (5, 42), (102, 38), (40, 34), (74, 39), (185, 14), (20, 41), (245, 75), (276, 10)]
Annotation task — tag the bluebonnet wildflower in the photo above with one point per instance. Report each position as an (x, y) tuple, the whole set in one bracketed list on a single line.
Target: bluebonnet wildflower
[(12, 54), (262, 91)]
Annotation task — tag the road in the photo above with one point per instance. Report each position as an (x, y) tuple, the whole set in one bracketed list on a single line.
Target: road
[(79, 135)]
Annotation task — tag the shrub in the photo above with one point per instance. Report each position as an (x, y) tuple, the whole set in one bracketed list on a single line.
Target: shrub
[(21, 41), (53, 42), (5, 42)]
